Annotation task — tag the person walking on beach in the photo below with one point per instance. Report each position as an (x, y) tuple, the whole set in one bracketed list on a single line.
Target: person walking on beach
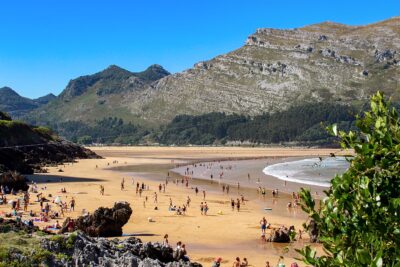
[(204, 194), (233, 204), (123, 184), (155, 197), (238, 205), (201, 208), (196, 190), (205, 208), (227, 189), (188, 201), (72, 204)]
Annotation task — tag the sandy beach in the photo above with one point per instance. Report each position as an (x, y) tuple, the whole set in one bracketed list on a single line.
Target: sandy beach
[(222, 232)]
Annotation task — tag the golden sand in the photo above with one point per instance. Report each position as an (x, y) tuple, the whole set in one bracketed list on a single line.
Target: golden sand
[(222, 232)]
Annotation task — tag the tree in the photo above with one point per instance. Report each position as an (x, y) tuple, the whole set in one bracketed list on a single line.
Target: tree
[(4, 116), (358, 221)]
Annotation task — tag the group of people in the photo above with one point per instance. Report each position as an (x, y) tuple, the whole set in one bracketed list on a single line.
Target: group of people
[(204, 208), (180, 252), (236, 203), (19, 205)]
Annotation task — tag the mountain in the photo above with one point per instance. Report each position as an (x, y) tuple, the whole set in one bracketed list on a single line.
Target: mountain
[(97, 96), (45, 99), (16, 105), (273, 71)]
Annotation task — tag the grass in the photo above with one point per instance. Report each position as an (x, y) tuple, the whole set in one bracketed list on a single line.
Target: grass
[(29, 246)]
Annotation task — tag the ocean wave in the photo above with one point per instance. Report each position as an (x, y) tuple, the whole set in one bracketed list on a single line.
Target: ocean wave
[(312, 171)]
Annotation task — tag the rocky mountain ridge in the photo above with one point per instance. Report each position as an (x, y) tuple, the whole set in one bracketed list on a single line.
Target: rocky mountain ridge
[(17, 106), (274, 70)]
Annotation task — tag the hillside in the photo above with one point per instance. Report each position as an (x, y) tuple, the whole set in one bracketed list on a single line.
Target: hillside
[(25, 148), (101, 95), (274, 70), (16, 105)]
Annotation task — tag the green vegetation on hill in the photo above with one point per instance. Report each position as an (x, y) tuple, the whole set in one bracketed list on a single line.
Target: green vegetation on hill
[(17, 133), (300, 124), (106, 131)]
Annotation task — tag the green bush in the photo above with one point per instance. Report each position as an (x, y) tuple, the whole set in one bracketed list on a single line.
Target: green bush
[(358, 221)]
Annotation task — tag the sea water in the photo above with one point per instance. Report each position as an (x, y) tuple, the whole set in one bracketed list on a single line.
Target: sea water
[(313, 171)]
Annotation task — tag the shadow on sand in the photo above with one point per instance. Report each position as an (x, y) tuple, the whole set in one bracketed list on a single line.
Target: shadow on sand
[(59, 178)]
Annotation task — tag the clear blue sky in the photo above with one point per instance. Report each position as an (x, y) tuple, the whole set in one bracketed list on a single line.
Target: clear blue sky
[(45, 43)]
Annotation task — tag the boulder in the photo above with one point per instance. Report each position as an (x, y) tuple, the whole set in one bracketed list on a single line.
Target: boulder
[(105, 222), (279, 236)]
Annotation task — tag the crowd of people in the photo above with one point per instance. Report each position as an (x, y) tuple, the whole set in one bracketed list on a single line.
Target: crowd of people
[(55, 208)]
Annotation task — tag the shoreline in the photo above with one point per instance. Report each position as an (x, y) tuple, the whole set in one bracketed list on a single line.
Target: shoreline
[(255, 168)]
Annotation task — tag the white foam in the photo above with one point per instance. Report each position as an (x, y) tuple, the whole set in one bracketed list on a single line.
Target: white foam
[(311, 171)]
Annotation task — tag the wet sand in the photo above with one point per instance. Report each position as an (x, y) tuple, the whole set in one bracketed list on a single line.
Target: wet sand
[(246, 173)]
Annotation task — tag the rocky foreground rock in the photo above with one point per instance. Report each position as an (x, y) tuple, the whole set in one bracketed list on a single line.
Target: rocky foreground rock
[(131, 252), (104, 222), (78, 249)]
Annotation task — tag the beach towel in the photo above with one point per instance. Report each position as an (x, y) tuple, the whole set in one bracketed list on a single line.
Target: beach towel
[(57, 200)]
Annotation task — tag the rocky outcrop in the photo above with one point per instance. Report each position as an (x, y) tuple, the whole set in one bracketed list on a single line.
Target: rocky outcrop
[(279, 236), (104, 222), (13, 181), (86, 251), (29, 158), (8, 225)]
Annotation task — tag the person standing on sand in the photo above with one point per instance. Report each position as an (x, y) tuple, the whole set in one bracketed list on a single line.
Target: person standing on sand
[(267, 264), (201, 208), (238, 205), (155, 197), (204, 194), (263, 224), (244, 263), (236, 263), (227, 189), (205, 208), (233, 204), (123, 184), (72, 204), (188, 201), (165, 242), (196, 190)]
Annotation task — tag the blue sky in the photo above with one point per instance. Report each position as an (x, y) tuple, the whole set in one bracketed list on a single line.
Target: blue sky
[(45, 43)]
